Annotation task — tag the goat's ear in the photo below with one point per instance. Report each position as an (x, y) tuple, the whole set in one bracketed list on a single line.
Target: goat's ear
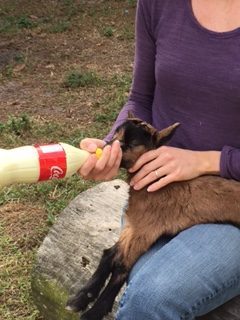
[(166, 134), (130, 115)]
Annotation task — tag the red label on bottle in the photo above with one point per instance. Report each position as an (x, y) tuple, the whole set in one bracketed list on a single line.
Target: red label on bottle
[(52, 161)]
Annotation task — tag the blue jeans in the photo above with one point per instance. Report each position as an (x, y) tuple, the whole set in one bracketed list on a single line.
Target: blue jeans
[(184, 277)]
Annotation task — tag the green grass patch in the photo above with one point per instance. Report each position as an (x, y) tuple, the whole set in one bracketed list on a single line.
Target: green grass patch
[(13, 24), (108, 31), (11, 61), (76, 79), (15, 270), (6, 72), (25, 23), (15, 17), (14, 130), (132, 3), (16, 125)]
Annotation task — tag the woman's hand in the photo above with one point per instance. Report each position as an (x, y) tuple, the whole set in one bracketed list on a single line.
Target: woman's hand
[(167, 164), (107, 166)]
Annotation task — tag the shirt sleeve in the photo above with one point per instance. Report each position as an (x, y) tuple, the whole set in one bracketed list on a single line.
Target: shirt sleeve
[(142, 91), (230, 163)]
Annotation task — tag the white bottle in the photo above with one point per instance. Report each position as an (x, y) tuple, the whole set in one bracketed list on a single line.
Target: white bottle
[(30, 164)]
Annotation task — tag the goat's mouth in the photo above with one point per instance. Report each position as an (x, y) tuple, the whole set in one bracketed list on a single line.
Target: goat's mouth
[(125, 163)]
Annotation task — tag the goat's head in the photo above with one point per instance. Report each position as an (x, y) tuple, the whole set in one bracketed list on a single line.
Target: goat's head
[(137, 137)]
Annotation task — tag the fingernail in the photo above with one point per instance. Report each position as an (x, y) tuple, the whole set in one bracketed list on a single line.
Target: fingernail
[(149, 189), (131, 183), (92, 147)]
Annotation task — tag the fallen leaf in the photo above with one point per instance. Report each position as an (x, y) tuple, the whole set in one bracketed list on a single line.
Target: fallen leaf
[(19, 67)]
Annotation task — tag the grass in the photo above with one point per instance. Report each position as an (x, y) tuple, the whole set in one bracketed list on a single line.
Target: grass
[(28, 211), (13, 24), (116, 100), (15, 269), (132, 3), (52, 197), (15, 18), (126, 34), (16, 125), (76, 79), (59, 26), (108, 31)]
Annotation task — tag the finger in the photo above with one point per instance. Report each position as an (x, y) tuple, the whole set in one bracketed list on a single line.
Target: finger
[(88, 166), (102, 162), (145, 158), (161, 183), (114, 170), (107, 173), (147, 169), (115, 150), (91, 145), (152, 176)]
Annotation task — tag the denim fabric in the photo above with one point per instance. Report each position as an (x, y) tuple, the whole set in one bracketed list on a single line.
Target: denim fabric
[(184, 277)]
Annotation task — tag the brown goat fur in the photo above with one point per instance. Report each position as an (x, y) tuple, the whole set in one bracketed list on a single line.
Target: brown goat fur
[(167, 211)]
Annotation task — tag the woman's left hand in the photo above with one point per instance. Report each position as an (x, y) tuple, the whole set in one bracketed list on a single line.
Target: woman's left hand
[(167, 164)]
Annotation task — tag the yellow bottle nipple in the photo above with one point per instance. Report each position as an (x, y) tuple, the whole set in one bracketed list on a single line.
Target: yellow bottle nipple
[(98, 153)]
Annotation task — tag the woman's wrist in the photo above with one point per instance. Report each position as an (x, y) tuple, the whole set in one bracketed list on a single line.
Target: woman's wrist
[(209, 162)]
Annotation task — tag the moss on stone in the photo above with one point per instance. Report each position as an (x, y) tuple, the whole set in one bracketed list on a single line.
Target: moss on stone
[(50, 298)]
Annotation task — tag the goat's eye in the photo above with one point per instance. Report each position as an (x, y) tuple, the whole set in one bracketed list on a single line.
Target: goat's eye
[(131, 145), (134, 143)]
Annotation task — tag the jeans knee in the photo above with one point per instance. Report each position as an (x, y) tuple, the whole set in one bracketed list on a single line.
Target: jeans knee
[(150, 302)]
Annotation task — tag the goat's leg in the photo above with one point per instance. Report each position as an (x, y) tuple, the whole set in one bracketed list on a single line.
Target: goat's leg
[(91, 290), (105, 301), (129, 248), (134, 243)]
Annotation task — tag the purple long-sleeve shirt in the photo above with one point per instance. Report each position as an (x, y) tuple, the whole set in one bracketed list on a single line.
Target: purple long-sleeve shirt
[(186, 73)]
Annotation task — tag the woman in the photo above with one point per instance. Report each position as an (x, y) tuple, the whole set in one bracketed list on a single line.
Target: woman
[(187, 69)]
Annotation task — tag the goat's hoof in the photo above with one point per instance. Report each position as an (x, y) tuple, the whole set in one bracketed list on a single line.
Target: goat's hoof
[(78, 303), (90, 315)]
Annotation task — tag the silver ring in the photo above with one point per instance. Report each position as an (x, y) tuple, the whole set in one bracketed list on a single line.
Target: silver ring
[(156, 173)]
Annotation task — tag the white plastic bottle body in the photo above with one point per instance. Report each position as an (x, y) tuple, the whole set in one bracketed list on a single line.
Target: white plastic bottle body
[(19, 165), (24, 164)]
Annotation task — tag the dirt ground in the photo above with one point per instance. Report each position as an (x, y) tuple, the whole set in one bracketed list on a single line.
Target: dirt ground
[(39, 58), (35, 58)]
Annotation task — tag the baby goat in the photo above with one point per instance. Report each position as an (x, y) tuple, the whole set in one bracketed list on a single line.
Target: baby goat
[(150, 215)]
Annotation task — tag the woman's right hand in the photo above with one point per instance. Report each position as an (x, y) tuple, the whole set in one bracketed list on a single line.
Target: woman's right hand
[(107, 166)]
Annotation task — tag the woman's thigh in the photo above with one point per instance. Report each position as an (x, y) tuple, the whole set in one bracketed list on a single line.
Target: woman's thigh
[(186, 276)]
